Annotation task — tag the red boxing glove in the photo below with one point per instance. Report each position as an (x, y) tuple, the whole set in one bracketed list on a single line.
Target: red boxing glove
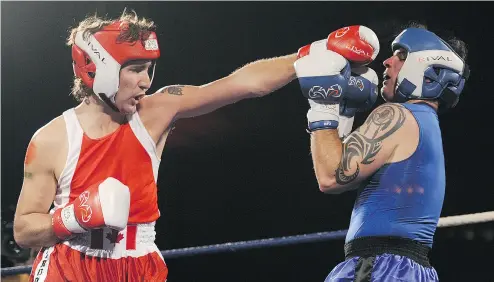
[(357, 43), (105, 203), (303, 51)]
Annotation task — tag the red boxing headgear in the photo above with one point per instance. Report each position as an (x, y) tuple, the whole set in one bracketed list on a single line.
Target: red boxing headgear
[(103, 55)]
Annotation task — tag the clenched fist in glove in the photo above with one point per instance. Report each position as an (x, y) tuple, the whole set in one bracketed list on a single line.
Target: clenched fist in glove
[(106, 203), (323, 77), (357, 43), (361, 96), (334, 94)]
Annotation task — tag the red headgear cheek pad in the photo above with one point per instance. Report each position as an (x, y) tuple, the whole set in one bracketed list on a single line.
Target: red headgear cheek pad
[(83, 66)]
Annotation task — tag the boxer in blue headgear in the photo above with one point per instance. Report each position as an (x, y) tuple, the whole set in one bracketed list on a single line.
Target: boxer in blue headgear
[(395, 161), (431, 71)]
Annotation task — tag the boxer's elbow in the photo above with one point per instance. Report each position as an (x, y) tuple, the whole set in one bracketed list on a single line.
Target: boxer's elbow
[(21, 236), (250, 87), (268, 84), (328, 185), (34, 230)]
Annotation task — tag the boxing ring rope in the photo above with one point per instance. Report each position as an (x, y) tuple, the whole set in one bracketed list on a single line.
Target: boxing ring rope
[(448, 221)]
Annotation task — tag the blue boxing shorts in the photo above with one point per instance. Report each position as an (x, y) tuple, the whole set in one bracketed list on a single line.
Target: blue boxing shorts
[(384, 259)]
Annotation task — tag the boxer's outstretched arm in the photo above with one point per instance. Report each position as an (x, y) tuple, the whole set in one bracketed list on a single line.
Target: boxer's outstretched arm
[(340, 167), (255, 79), (32, 222)]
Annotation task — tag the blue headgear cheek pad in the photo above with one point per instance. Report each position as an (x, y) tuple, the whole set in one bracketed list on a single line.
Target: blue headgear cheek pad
[(429, 57)]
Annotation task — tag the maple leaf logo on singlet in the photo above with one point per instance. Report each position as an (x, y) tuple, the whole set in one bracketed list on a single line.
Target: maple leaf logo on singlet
[(115, 237)]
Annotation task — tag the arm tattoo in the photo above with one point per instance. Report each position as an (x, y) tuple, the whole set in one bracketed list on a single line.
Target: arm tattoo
[(383, 122), (173, 90), (28, 175)]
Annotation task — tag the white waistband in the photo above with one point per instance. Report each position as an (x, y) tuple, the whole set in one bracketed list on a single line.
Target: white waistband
[(135, 240)]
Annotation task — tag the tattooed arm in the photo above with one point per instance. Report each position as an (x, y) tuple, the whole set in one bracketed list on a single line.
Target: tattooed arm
[(340, 167), (32, 221), (256, 79)]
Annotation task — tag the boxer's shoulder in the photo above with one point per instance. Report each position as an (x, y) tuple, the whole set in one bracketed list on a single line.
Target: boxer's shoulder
[(387, 119), (52, 133), (395, 126), (50, 140), (392, 126)]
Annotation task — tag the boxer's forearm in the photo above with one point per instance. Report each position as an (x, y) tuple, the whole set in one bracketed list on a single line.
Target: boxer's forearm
[(256, 79), (34, 230), (267, 75), (326, 149)]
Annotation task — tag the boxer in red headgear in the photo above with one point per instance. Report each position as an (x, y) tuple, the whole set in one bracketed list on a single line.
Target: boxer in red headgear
[(98, 163)]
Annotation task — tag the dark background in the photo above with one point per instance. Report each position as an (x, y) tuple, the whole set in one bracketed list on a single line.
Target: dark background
[(244, 172)]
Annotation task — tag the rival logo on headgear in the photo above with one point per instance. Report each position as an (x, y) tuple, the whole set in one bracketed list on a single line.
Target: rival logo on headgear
[(96, 52), (434, 58), (151, 44)]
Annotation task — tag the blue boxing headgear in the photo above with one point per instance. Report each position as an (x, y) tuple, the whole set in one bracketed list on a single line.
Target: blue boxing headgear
[(426, 52)]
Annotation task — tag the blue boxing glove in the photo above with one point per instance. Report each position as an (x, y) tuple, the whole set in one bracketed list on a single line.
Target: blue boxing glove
[(362, 91), (323, 77), (360, 96)]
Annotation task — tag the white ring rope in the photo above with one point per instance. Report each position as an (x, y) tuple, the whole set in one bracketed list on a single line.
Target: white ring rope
[(448, 221), (465, 219)]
